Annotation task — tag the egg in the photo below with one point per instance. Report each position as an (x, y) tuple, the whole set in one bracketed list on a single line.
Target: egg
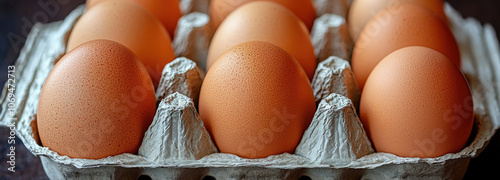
[(397, 27), (131, 25), (303, 9), (269, 22), (361, 11), (167, 11), (417, 103), (256, 101), (97, 101)]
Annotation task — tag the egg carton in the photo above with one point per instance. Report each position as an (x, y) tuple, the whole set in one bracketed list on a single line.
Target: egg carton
[(335, 146)]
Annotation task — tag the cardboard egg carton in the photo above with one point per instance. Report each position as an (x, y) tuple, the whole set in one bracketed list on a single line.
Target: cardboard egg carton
[(335, 146)]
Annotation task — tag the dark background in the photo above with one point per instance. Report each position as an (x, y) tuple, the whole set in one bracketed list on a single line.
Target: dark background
[(17, 17)]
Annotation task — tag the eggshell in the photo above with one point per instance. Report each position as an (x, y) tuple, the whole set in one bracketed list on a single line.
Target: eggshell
[(256, 101), (131, 25), (398, 27), (167, 11), (417, 103), (98, 101), (361, 11), (303, 9), (269, 22)]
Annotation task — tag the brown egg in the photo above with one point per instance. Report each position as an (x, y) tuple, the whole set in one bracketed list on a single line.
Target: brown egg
[(167, 11), (417, 103), (398, 27), (98, 101), (303, 9), (361, 11), (131, 25), (256, 101), (265, 21)]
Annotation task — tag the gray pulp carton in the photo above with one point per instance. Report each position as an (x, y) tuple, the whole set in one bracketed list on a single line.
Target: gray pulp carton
[(176, 145)]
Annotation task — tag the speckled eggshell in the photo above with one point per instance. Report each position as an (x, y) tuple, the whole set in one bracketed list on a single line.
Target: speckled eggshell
[(167, 11), (98, 101), (398, 27), (131, 25), (361, 11), (256, 101), (303, 9), (269, 22), (417, 103)]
